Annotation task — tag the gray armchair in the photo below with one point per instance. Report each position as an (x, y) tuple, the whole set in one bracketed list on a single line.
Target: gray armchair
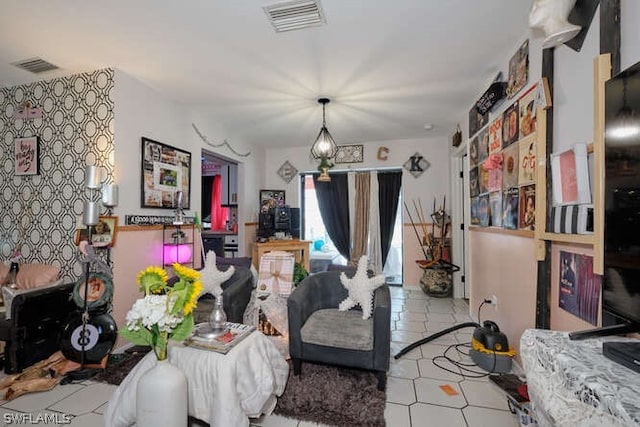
[(319, 332)]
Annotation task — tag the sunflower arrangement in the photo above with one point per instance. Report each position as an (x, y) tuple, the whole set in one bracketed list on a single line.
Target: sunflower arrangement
[(165, 312)]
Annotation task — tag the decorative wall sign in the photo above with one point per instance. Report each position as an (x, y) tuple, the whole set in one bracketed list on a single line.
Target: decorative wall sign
[(165, 171), (287, 171), (416, 165), (153, 219), (350, 154), (495, 93), (26, 154), (383, 154), (518, 70)]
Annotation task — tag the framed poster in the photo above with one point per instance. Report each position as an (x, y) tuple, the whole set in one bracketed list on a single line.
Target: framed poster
[(510, 125), (527, 160), (518, 70), (495, 136), (527, 207), (579, 290), (570, 176), (476, 120), (271, 199), (103, 234), (483, 145), (495, 206), (26, 152), (527, 115), (510, 160), (166, 170)]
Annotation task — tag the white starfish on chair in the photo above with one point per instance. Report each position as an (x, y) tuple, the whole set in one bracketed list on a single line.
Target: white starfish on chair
[(360, 288), (211, 277)]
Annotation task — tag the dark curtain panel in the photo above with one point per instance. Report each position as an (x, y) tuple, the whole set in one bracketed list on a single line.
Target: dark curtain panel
[(333, 201), (389, 184)]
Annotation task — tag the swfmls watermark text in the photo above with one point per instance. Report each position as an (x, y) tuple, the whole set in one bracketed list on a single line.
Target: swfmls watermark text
[(16, 418)]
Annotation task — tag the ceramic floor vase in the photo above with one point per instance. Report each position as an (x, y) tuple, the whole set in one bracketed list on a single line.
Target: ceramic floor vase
[(161, 397)]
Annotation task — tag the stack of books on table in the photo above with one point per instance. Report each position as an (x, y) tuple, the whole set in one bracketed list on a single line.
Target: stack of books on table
[(222, 344)]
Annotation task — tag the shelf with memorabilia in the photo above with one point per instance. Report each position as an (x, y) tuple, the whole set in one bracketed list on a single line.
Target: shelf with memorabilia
[(602, 72), (178, 244)]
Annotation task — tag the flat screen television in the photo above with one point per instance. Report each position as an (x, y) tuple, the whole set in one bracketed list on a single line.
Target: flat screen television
[(621, 280)]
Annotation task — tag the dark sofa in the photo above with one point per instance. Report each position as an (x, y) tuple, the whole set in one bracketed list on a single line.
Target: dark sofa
[(32, 332), (236, 293)]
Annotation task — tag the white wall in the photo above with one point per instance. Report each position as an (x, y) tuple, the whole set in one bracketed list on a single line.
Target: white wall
[(141, 111), (433, 183), (630, 36)]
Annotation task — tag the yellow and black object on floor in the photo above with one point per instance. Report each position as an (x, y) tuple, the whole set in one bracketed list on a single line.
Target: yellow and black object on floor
[(490, 348)]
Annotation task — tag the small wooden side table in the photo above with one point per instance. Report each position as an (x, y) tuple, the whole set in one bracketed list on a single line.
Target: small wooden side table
[(299, 247)]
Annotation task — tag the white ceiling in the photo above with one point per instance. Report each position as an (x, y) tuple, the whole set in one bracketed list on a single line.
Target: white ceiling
[(389, 66)]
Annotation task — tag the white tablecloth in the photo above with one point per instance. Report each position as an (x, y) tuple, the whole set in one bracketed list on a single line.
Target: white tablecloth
[(224, 390), (571, 383)]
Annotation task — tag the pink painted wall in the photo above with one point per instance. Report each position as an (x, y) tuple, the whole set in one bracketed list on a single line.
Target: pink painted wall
[(504, 265), (136, 249)]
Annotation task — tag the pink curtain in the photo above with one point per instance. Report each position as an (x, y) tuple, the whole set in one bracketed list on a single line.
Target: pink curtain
[(219, 215)]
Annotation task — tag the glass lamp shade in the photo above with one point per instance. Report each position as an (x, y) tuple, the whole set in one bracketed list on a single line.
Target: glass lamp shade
[(324, 146), (177, 253)]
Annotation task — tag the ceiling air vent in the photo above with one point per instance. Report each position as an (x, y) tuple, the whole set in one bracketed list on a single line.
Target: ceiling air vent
[(295, 15), (36, 65)]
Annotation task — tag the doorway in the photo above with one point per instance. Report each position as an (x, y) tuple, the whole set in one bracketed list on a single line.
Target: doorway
[(219, 205), (460, 220), (323, 250)]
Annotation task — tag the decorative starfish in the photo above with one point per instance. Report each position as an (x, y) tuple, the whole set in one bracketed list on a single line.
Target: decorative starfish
[(211, 277), (360, 288)]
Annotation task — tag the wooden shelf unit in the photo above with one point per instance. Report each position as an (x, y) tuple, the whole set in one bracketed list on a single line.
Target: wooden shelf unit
[(602, 73)]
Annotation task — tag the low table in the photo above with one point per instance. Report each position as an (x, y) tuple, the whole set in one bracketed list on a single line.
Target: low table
[(224, 390)]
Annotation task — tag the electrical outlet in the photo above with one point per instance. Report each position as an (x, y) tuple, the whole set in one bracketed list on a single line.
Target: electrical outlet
[(494, 302)]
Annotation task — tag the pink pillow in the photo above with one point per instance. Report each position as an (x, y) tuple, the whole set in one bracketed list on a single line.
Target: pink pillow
[(32, 275)]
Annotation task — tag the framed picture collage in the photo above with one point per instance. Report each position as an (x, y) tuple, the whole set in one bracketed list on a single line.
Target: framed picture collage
[(502, 157)]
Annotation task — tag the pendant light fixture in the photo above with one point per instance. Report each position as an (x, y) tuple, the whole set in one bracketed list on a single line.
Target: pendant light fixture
[(324, 148)]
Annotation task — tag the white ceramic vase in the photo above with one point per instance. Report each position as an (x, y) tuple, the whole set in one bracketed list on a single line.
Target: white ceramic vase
[(161, 397)]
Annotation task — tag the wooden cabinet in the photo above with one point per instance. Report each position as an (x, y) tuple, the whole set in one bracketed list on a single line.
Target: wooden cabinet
[(229, 175)]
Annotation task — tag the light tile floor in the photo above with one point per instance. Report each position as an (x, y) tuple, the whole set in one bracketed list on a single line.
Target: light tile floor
[(414, 394)]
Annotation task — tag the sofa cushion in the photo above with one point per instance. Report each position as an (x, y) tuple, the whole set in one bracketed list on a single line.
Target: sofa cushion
[(32, 275), (342, 329)]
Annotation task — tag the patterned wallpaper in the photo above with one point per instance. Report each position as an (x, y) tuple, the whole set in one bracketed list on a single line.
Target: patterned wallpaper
[(76, 129)]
